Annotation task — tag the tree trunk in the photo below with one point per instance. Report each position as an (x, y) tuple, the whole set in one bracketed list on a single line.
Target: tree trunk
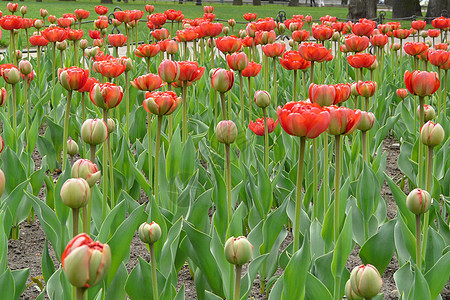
[(344, 2), (406, 8), (436, 8), (293, 3), (257, 2), (106, 1), (237, 2), (358, 9)]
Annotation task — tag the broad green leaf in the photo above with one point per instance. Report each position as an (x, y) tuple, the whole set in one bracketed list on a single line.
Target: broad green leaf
[(400, 200), (316, 289), (174, 157), (343, 247), (438, 275), (7, 283), (249, 277), (47, 264), (20, 281), (116, 290), (419, 288), (188, 160), (139, 283)]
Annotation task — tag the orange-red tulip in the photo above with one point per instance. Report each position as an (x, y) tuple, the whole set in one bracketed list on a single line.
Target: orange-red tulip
[(237, 61), (147, 50), (343, 120), (148, 82), (101, 10), (300, 35), (314, 52), (106, 95), (418, 25), (117, 40), (161, 103), (222, 80), (322, 32), (228, 44), (366, 88), (252, 69), (292, 60), (438, 57), (250, 17), (274, 50), (379, 40), (415, 48), (258, 126), (422, 83), (355, 43), (73, 78), (361, 60)]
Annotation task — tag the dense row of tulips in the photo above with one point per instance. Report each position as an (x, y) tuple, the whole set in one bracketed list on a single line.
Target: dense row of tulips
[(262, 183)]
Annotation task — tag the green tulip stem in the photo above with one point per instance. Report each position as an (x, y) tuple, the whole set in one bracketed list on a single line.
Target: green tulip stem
[(325, 173), (75, 54), (426, 216), (418, 243), (157, 148), (275, 83), (111, 172), (185, 52), (294, 92), (127, 108), (237, 282), (440, 95), (304, 84), (444, 110), (298, 198), (87, 210), (224, 107), (61, 60), (171, 28), (184, 100), (75, 220), (228, 174), (149, 137), (249, 99), (81, 293), (66, 127), (364, 145), (241, 94), (54, 82), (38, 75), (170, 118), (311, 80), (27, 125), (154, 276), (148, 64), (202, 50), (266, 72), (13, 47), (266, 141), (105, 170), (83, 106), (136, 42), (337, 187), (28, 44), (315, 178), (420, 158), (212, 52), (128, 40), (195, 50)]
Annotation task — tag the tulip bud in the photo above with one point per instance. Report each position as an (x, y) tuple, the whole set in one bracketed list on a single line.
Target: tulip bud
[(308, 19), (335, 36), (222, 80), (366, 281), (402, 93), (85, 262), (23, 10), (61, 46), (418, 201), (116, 23), (98, 43), (43, 12), (232, 22), (367, 121), (281, 28), (429, 112), (84, 168), (350, 293), (111, 125), (25, 67), (72, 147), (291, 43), (395, 46), (186, 25), (38, 24), (2, 183), (169, 71), (226, 132), (94, 132), (238, 251), (3, 97), (354, 89), (18, 54), (242, 33), (424, 34), (293, 27), (432, 134), (83, 43), (226, 30), (373, 66), (262, 99), (75, 193), (11, 75), (52, 19), (149, 233)]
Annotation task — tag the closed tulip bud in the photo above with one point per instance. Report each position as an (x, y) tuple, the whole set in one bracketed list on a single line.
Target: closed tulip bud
[(23, 10), (11, 75), (3, 96), (169, 71), (98, 43), (25, 67), (18, 54), (84, 168), (149, 233), (111, 125), (281, 28), (335, 36), (373, 66), (75, 193), (94, 131), (354, 89), (222, 80), (61, 46), (242, 33), (367, 121), (402, 93), (429, 112), (38, 24), (350, 293), (366, 281), (232, 22), (262, 99), (2, 182), (83, 43), (43, 12), (418, 201), (72, 147), (85, 262), (238, 251), (432, 134), (293, 27), (395, 46), (226, 132), (291, 43), (226, 30)]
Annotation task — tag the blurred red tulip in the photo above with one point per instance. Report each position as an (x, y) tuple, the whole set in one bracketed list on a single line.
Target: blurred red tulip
[(258, 126), (148, 82), (211, 29), (147, 50), (252, 69), (161, 103), (222, 80), (228, 44), (187, 35), (401, 33), (361, 60), (110, 68), (74, 35), (362, 29), (81, 14), (292, 60), (172, 14), (149, 8), (379, 40), (190, 71), (237, 61), (101, 10), (402, 93), (54, 34), (117, 40), (433, 33), (250, 17), (88, 85), (441, 23), (415, 48), (438, 57), (418, 25), (274, 50), (314, 52), (160, 34), (366, 89), (73, 78), (322, 32), (38, 40), (158, 19), (300, 35), (10, 22)]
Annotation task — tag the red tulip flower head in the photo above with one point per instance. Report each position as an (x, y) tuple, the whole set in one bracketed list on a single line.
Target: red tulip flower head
[(158, 19), (274, 50), (402, 93), (54, 34), (363, 29), (3, 97), (418, 25), (433, 33), (252, 69), (172, 14), (187, 35), (74, 35), (106, 95), (322, 32), (208, 9), (343, 120), (190, 71), (379, 40), (250, 17), (211, 29), (147, 50), (366, 89), (117, 40), (81, 14), (422, 83), (160, 34), (222, 80), (438, 57), (228, 44), (361, 60), (415, 48), (237, 61), (401, 33), (303, 119), (300, 35), (10, 22), (441, 23), (88, 85), (148, 82), (101, 10), (110, 68), (314, 52), (149, 8), (292, 60), (38, 40), (169, 71), (258, 126), (161, 103), (169, 46), (73, 78), (356, 43), (322, 94)]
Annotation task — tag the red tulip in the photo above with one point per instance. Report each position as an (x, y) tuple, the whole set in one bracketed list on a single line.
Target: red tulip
[(109, 68), (361, 60), (158, 19), (362, 29), (393, 25), (147, 50), (211, 29), (265, 37), (148, 82), (74, 35), (267, 24), (252, 69), (172, 14), (160, 34), (38, 40), (343, 120), (258, 126), (418, 25), (228, 44), (303, 119), (250, 17), (117, 40), (169, 46), (3, 97), (106, 95), (101, 10), (64, 22), (222, 80), (292, 60), (10, 73), (433, 33), (355, 43), (101, 23), (12, 7), (54, 34), (190, 71), (81, 14), (314, 52), (422, 83), (300, 35), (187, 35), (10, 22), (322, 32), (161, 103), (441, 46), (27, 23), (94, 34), (169, 71), (73, 78), (88, 85), (124, 16), (274, 50), (441, 23), (237, 61), (149, 8), (401, 33), (415, 48), (438, 57), (208, 9), (379, 40), (322, 94), (343, 92), (366, 89), (402, 93)]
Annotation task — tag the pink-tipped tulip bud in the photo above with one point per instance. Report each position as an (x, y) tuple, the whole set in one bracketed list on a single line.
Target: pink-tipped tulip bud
[(226, 30), (38, 24), (98, 43), (83, 44), (72, 147), (366, 89), (128, 62), (242, 33), (367, 121), (3, 96), (373, 66), (85, 262), (169, 71), (222, 80), (238, 251), (366, 281), (62, 46), (94, 131), (402, 93), (281, 27), (354, 89), (350, 293), (2, 183), (18, 54), (396, 46), (418, 201), (432, 134), (429, 112), (84, 168), (232, 22), (293, 27), (335, 37), (75, 193), (424, 34), (11, 75), (262, 99), (23, 10), (25, 67), (149, 233), (106, 95), (237, 61), (226, 132), (43, 12), (111, 125)]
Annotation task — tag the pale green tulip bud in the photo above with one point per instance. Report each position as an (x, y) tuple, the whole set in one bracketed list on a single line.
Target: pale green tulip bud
[(75, 193), (149, 233), (238, 251)]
